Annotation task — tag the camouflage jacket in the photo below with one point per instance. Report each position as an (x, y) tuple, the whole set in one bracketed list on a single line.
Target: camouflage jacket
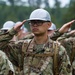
[(68, 41), (32, 58), (5, 65)]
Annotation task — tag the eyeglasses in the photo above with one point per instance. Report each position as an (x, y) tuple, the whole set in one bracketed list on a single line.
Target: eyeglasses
[(37, 22)]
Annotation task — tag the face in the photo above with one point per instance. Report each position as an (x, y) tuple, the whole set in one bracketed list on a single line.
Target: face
[(39, 27)]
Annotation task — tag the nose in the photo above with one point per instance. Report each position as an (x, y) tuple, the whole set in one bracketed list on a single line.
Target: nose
[(35, 24)]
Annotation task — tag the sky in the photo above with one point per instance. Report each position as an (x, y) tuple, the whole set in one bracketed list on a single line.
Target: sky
[(63, 2)]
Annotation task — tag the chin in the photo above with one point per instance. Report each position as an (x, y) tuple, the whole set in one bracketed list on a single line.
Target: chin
[(36, 33)]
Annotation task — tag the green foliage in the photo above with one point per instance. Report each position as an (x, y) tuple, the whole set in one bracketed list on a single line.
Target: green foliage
[(70, 14)]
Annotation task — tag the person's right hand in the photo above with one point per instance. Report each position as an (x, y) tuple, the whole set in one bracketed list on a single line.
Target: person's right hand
[(66, 27), (18, 26)]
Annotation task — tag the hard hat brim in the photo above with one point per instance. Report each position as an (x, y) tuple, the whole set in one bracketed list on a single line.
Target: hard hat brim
[(37, 19)]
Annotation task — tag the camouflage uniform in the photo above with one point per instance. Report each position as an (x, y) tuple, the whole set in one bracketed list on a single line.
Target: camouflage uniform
[(33, 58), (68, 41), (5, 65)]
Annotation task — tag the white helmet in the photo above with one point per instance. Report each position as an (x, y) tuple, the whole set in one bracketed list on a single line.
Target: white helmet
[(40, 14), (53, 27), (8, 25)]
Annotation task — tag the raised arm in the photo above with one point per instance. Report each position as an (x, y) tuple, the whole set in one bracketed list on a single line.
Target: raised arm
[(62, 30), (11, 48)]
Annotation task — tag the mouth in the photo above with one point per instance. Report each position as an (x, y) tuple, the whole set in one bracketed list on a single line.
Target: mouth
[(35, 29)]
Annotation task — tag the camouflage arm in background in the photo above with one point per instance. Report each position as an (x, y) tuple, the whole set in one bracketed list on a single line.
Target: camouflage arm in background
[(55, 35), (8, 35), (69, 44), (5, 65), (67, 41), (64, 62), (64, 36)]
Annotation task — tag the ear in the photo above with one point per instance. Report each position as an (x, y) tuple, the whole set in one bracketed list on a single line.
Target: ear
[(49, 24)]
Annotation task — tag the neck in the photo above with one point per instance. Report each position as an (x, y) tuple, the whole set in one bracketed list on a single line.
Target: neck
[(40, 39)]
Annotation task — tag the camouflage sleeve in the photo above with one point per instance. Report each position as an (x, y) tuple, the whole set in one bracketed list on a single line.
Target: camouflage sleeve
[(73, 66), (55, 35), (7, 36), (14, 52), (12, 49), (64, 61), (5, 65), (65, 35)]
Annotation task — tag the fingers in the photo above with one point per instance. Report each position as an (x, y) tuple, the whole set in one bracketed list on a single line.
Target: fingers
[(66, 26), (18, 26), (70, 22), (23, 21)]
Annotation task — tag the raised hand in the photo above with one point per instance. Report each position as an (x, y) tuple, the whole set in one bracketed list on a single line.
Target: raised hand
[(18, 26), (66, 27)]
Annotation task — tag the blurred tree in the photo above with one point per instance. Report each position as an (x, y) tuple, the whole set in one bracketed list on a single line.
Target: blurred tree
[(71, 1), (35, 3), (31, 2), (11, 2), (38, 3), (70, 14), (15, 2), (2, 2), (57, 12), (19, 2), (46, 2)]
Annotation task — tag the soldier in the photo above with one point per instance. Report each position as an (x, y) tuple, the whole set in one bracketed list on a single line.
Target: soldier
[(68, 41), (6, 67), (40, 55)]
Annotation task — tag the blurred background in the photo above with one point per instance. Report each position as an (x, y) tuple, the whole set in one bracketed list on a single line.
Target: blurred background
[(17, 10)]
